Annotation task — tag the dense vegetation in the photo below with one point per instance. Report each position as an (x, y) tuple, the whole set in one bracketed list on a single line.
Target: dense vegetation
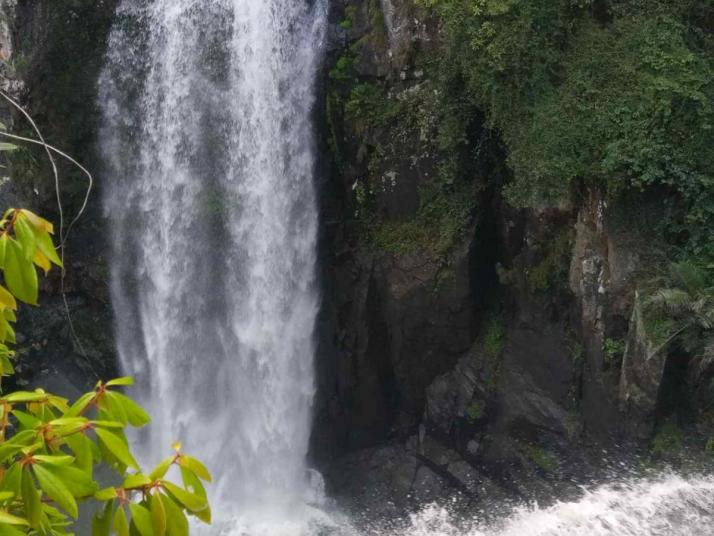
[(613, 95)]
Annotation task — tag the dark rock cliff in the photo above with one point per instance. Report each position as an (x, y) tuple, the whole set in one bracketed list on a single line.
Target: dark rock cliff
[(485, 345)]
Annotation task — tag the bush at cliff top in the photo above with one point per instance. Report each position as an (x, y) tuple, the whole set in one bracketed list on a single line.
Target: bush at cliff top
[(613, 95)]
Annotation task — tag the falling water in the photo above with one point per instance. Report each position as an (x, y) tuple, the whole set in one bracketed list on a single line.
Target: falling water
[(210, 195)]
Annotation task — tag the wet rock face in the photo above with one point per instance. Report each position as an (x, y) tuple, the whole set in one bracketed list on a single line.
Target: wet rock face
[(642, 375), (51, 54)]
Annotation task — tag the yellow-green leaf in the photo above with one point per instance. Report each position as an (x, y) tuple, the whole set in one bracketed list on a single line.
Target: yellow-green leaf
[(45, 245), (136, 481), (141, 518), (176, 522), (106, 494), (191, 502), (54, 460), (12, 480), (161, 469), (135, 414), (195, 466), (121, 526), (80, 405), (31, 499), (126, 380), (102, 523), (10, 519), (79, 483), (158, 515), (40, 260), (117, 447), (7, 299), (20, 274), (37, 222), (56, 490), (25, 237)]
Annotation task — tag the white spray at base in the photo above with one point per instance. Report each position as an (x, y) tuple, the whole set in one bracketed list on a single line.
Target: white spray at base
[(210, 194), (667, 506)]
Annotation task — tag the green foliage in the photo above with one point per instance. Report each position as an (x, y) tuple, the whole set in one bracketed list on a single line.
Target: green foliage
[(680, 306), (442, 218), (541, 457), (552, 270), (494, 337), (367, 105), (613, 350), (49, 447), (475, 411), (668, 440), (342, 70), (620, 100)]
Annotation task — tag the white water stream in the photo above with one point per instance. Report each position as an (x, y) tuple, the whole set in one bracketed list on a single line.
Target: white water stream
[(209, 146), (210, 195)]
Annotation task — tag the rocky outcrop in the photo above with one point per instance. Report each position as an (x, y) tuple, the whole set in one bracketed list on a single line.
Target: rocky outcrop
[(642, 374)]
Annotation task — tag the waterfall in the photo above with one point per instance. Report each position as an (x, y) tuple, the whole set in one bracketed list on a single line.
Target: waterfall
[(210, 196)]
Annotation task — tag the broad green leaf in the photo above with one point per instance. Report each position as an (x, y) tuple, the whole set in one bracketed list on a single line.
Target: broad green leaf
[(113, 425), (13, 479), (136, 481), (54, 460), (7, 450), (82, 449), (37, 222), (141, 518), (176, 522), (39, 259), (59, 403), (191, 502), (56, 490), (79, 483), (161, 469), (102, 523), (193, 484), (5, 495), (136, 415), (26, 420), (45, 245), (158, 515), (106, 494), (117, 447), (7, 299), (9, 519), (4, 241), (20, 274), (8, 530), (126, 380), (196, 467), (114, 408), (68, 421), (121, 526), (25, 237), (80, 405), (25, 396), (31, 499)]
